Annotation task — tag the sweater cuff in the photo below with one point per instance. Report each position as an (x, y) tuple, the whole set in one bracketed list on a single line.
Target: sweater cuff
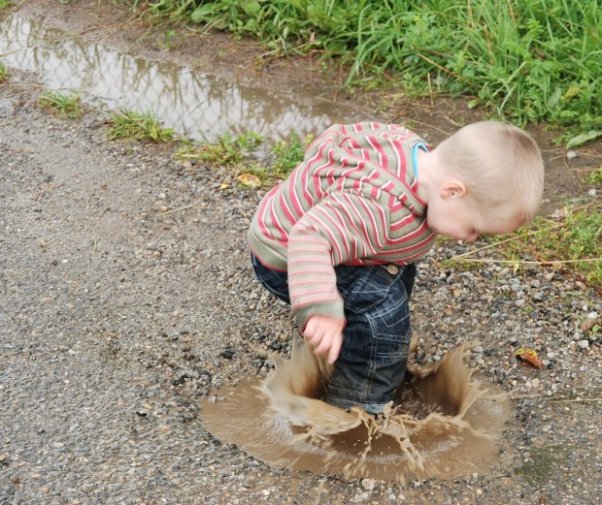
[(333, 309)]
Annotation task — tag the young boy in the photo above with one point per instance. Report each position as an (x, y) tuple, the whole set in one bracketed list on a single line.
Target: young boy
[(338, 239)]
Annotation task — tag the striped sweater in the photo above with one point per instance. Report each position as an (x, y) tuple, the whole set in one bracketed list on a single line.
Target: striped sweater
[(352, 201)]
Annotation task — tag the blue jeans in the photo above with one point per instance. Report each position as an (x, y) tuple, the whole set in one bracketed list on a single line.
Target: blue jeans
[(376, 339)]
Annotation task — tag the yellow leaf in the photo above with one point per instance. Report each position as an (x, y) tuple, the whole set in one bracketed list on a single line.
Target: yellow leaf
[(530, 356), (249, 180)]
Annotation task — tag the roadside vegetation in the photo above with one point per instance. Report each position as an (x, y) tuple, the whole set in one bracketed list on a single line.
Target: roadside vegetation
[(128, 124), (528, 62), (256, 162), (65, 105), (569, 240), (229, 150), (3, 73)]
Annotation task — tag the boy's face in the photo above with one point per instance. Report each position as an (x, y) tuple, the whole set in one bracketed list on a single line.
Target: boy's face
[(453, 214)]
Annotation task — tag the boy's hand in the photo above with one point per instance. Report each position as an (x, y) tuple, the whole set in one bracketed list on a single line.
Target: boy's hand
[(325, 335)]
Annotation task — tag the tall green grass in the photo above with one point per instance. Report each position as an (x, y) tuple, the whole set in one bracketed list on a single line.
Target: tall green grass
[(528, 60)]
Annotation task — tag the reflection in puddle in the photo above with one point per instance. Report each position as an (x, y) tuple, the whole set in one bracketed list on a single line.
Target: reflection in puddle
[(195, 104)]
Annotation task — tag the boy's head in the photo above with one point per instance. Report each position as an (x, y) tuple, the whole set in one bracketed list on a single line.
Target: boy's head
[(489, 180)]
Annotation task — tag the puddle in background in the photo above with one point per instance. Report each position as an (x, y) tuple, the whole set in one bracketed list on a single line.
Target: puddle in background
[(448, 424), (199, 105)]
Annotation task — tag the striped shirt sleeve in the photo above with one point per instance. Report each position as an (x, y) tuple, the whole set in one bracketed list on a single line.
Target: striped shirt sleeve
[(341, 228)]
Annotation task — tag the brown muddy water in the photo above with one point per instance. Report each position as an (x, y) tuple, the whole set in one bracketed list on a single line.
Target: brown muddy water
[(445, 425), (195, 103)]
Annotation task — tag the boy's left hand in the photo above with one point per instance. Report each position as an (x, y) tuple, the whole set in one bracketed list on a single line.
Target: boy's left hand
[(325, 335)]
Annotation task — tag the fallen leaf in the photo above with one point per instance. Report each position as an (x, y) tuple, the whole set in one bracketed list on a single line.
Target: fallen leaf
[(249, 180), (528, 356), (588, 324), (224, 185)]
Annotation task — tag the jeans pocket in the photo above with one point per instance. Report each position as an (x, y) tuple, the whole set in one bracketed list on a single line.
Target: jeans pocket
[(364, 288), (390, 325)]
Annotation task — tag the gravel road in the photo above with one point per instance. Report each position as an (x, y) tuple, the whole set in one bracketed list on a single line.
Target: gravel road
[(126, 297)]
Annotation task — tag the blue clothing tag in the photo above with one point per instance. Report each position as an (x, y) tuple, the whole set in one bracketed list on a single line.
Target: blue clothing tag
[(415, 147)]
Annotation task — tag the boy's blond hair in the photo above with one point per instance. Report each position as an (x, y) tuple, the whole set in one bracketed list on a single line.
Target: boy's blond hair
[(500, 165)]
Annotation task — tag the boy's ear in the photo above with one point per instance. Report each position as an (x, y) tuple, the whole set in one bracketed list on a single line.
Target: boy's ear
[(453, 189)]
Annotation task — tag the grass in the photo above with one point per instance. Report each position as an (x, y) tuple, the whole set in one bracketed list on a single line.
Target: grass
[(531, 61), (229, 150), (570, 240), (240, 154), (3, 73), (595, 177), (288, 154), (5, 4), (133, 125), (62, 104)]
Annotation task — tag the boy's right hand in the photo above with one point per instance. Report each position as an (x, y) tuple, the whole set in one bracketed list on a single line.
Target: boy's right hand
[(325, 335)]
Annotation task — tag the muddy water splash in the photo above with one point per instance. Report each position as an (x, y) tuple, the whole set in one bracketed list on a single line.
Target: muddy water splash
[(446, 424), (200, 105)]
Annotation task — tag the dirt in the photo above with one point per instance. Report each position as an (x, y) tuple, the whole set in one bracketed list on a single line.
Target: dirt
[(127, 299)]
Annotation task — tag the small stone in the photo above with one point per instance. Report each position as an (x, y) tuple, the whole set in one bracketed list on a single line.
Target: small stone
[(368, 484), (570, 155), (584, 344)]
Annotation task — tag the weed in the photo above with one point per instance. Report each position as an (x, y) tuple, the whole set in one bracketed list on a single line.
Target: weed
[(595, 177), (5, 4), (571, 240), (3, 73), (582, 138), (228, 150), (169, 37), (452, 263), (64, 105), (236, 151), (129, 124), (287, 155)]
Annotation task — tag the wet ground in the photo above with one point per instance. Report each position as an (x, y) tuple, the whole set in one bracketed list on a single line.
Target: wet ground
[(127, 299), (197, 102)]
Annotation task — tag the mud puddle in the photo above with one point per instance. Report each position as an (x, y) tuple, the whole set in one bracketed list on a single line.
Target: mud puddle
[(446, 424), (197, 104)]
